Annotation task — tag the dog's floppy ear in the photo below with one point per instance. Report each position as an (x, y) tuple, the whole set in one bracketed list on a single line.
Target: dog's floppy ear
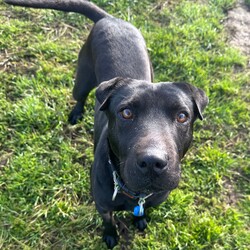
[(197, 95), (105, 90)]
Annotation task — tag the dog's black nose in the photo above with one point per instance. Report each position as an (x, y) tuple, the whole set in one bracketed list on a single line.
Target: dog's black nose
[(152, 161)]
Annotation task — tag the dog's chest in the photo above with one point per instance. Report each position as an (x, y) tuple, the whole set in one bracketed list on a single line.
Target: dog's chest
[(122, 202)]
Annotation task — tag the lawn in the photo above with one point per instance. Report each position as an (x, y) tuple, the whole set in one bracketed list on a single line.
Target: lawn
[(45, 200)]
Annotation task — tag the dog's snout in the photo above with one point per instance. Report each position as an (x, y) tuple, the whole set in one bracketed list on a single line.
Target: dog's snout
[(152, 161)]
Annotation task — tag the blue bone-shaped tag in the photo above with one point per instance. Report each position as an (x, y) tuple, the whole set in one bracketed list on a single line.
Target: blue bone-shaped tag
[(138, 211)]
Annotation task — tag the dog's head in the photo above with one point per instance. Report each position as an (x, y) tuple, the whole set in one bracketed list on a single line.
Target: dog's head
[(150, 129)]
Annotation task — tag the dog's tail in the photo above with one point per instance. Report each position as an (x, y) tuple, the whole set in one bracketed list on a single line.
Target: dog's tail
[(86, 8)]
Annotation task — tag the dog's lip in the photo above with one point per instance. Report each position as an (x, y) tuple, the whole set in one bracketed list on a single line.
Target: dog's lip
[(156, 189), (147, 186), (145, 189), (149, 189)]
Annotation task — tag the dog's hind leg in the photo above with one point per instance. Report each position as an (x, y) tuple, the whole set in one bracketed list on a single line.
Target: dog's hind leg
[(84, 83)]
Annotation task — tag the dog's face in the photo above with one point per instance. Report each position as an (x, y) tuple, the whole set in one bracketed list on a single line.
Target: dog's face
[(150, 129)]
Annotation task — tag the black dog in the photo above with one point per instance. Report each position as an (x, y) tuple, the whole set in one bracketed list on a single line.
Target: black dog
[(142, 130)]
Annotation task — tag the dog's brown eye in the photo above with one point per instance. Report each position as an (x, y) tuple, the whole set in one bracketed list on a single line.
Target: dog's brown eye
[(182, 117), (126, 114)]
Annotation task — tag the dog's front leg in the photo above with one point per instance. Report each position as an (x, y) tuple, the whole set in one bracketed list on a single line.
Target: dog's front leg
[(109, 235), (140, 222)]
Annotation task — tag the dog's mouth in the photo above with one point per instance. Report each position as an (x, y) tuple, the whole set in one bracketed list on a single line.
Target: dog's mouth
[(146, 184), (151, 187), (140, 182)]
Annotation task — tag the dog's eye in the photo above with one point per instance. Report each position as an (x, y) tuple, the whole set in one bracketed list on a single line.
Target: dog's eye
[(182, 117), (126, 114)]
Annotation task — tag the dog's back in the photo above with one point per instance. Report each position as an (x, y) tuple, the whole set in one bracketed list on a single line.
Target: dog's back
[(119, 50)]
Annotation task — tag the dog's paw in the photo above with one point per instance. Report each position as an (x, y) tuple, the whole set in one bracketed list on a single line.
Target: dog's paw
[(76, 114), (73, 119), (110, 240), (140, 223)]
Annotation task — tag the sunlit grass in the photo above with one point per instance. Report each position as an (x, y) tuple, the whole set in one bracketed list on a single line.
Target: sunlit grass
[(45, 200)]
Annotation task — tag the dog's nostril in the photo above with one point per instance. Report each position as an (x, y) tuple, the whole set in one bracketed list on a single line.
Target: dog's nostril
[(159, 165), (154, 162), (143, 164)]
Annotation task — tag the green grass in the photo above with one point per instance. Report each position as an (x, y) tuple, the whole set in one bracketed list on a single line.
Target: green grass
[(45, 200)]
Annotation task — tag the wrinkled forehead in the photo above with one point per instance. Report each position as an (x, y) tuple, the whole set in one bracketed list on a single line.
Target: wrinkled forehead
[(151, 95)]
